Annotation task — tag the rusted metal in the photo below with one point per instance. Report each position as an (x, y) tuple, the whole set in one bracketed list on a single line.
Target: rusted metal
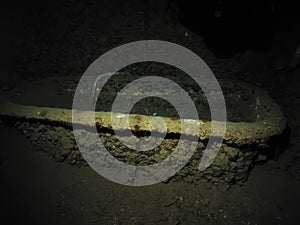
[(270, 120)]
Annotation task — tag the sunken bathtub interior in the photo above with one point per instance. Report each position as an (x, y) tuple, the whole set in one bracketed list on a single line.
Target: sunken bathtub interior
[(254, 122), (58, 92)]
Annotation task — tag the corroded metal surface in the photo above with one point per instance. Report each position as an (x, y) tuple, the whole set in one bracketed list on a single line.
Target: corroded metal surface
[(245, 143), (270, 120)]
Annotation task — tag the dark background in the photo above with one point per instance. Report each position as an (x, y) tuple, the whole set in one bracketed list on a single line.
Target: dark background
[(253, 41)]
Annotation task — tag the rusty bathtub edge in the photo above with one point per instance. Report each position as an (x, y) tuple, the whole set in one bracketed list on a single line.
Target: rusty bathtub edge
[(239, 133)]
